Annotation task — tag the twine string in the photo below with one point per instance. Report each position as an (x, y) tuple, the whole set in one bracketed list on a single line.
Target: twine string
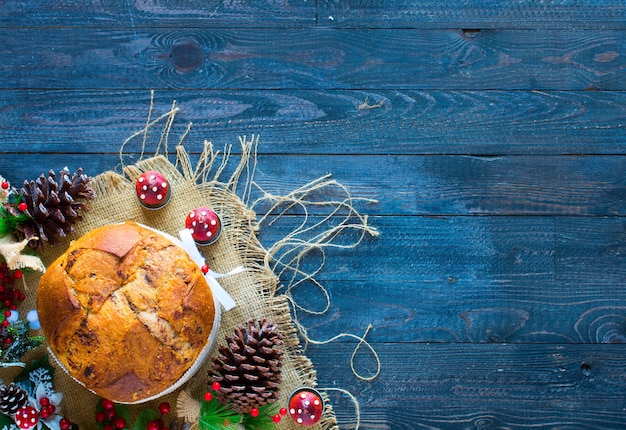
[(285, 259), (355, 401)]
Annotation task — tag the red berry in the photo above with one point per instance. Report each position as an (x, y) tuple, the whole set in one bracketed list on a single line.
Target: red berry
[(216, 386), (164, 408), (44, 413), (283, 411), (204, 269), (65, 424), (51, 409), (107, 404), (7, 313), (154, 425), (111, 413), (5, 185), (100, 416), (120, 423), (22, 206), (44, 401), (208, 397), (18, 274), (276, 418), (254, 412), (8, 341), (108, 427), (5, 323)]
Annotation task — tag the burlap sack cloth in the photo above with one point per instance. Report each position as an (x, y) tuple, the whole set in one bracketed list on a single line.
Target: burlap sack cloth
[(255, 290)]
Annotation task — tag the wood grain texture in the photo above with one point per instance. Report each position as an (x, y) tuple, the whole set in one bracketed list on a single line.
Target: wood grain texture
[(590, 249), (164, 13), (469, 279), (475, 386), (324, 122), (158, 58), (491, 133), (473, 15), (461, 185), (416, 185)]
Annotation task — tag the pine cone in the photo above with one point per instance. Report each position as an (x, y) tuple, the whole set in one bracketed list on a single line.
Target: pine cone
[(52, 207), (249, 367), (12, 397)]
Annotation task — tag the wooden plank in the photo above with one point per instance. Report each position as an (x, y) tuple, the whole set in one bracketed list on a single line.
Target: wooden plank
[(439, 252), (157, 58), (421, 185), (324, 122), (459, 185), (444, 386), (463, 311), (165, 13), (470, 279), (588, 248), (584, 14)]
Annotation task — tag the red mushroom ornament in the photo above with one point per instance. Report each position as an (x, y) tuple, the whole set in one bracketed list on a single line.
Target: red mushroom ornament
[(306, 406), (205, 225), (26, 417), (153, 190)]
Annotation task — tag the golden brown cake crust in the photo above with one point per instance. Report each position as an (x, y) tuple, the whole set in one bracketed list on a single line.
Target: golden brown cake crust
[(125, 311)]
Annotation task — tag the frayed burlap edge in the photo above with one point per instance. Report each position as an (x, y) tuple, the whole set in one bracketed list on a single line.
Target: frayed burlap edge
[(257, 289)]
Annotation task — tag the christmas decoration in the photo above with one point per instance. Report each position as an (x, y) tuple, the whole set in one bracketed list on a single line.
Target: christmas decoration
[(205, 224), (48, 208), (306, 406), (248, 367), (110, 415), (12, 398), (15, 336), (10, 216), (217, 413), (153, 190), (30, 402), (26, 417)]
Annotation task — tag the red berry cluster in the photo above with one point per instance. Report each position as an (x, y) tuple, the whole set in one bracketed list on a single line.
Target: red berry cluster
[(164, 409), (9, 296), (109, 419), (108, 416), (9, 299), (46, 409)]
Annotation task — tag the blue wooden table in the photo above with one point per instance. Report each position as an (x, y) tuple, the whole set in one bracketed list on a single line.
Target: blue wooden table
[(492, 136)]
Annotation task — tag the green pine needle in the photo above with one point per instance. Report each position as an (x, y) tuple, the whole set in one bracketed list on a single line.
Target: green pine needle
[(8, 220), (215, 415)]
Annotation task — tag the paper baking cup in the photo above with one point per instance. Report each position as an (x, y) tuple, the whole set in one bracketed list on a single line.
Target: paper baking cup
[(199, 359)]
